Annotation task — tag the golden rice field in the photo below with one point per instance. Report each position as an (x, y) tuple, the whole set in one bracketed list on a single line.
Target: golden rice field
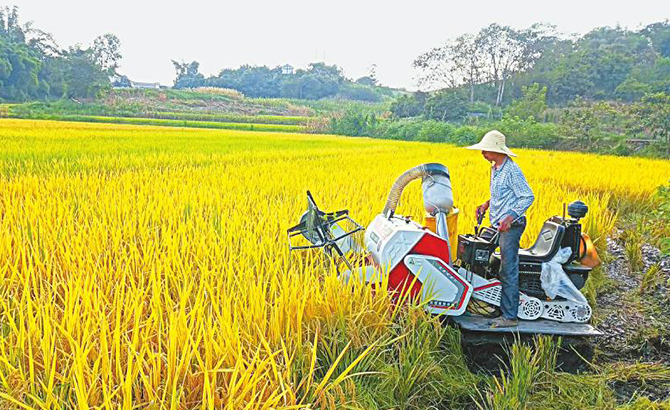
[(147, 267)]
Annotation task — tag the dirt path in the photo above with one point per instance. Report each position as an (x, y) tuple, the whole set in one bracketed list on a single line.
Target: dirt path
[(630, 317), (633, 312)]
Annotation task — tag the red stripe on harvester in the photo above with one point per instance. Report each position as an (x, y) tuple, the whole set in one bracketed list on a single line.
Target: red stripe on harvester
[(490, 285)]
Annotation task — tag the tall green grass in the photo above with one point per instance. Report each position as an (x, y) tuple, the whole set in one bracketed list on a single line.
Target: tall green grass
[(529, 369), (135, 110), (329, 105), (176, 123), (212, 117)]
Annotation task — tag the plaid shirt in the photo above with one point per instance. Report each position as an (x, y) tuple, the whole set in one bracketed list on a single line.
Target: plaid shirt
[(510, 193)]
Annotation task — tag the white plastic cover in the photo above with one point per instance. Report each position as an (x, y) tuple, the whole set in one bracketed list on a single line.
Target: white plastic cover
[(438, 199), (437, 194), (555, 281)]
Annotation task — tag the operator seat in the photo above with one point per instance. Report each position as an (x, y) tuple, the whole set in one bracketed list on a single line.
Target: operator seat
[(546, 245)]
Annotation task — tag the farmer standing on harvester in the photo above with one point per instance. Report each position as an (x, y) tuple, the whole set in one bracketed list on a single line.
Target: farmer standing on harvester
[(511, 197)]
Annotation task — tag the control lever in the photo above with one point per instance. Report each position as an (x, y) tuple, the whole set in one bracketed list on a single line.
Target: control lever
[(480, 218)]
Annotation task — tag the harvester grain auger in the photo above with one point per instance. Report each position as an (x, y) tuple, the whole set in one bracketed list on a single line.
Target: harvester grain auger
[(419, 259)]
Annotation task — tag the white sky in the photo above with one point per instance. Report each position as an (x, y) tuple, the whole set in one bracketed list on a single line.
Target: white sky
[(352, 34)]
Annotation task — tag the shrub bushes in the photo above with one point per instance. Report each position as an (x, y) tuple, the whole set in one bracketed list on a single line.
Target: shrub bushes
[(467, 135), (528, 133), (520, 133)]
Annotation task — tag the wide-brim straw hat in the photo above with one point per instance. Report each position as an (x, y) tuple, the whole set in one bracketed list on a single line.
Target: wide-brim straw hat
[(493, 141)]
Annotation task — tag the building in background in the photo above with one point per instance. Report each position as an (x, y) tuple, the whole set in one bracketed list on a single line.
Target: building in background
[(287, 69), (137, 84)]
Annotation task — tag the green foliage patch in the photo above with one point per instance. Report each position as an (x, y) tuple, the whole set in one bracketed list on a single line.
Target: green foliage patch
[(176, 123)]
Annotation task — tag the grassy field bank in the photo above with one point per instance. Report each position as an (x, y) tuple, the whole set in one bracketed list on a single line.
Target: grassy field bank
[(164, 115), (247, 126), (147, 267)]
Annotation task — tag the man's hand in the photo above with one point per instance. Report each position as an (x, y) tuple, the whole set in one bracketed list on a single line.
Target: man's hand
[(481, 209), (505, 224)]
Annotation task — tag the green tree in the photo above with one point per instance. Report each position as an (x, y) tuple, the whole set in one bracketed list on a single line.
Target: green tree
[(188, 75), (458, 62), (632, 90), (593, 124), (659, 35), (316, 85), (33, 67), (492, 56), (651, 79), (573, 77), (447, 105), (107, 52), (653, 112), (10, 26), (533, 104), (251, 81), (20, 69), (366, 80), (354, 124), (358, 92), (580, 122), (370, 79), (83, 77), (595, 66), (408, 105), (318, 81), (509, 51)]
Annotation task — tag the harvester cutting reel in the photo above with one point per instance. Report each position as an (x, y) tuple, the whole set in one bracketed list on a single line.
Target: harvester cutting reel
[(324, 230)]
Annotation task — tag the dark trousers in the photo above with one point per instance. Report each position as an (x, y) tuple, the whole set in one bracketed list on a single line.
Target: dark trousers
[(509, 268)]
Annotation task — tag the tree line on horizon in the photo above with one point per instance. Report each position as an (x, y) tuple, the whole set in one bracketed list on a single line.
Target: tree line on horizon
[(318, 81), (487, 69)]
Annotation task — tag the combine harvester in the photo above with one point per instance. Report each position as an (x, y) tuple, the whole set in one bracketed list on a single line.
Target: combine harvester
[(417, 261)]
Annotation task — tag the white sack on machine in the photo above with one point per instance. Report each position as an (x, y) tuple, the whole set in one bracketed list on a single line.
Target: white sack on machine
[(554, 280), (438, 200), (437, 194)]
